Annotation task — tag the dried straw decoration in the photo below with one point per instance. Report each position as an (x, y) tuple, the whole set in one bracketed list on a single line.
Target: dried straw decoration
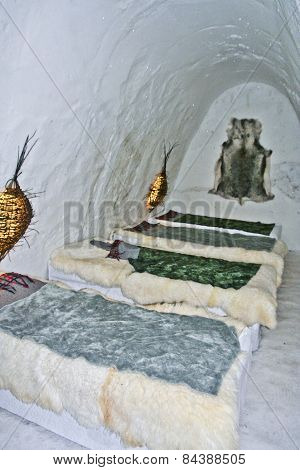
[(15, 208), (159, 186)]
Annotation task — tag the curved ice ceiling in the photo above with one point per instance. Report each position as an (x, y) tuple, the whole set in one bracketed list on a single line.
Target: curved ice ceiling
[(174, 58), (106, 82)]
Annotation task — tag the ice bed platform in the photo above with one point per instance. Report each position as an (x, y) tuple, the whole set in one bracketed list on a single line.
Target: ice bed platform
[(101, 438)]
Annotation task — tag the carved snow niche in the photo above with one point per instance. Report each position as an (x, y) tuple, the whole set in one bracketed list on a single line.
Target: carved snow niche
[(243, 170)]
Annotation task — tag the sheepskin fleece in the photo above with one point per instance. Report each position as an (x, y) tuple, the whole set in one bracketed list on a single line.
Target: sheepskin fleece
[(106, 335), (179, 308), (184, 308), (91, 264), (273, 258), (143, 411), (255, 302)]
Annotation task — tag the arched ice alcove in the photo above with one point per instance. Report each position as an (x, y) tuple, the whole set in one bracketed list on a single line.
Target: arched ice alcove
[(104, 83), (280, 133)]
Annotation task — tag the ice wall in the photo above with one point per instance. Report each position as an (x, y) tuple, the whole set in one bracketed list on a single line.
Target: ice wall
[(105, 82), (280, 132)]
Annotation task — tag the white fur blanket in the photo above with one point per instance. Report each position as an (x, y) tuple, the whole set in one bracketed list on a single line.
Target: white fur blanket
[(140, 409), (253, 303), (274, 258)]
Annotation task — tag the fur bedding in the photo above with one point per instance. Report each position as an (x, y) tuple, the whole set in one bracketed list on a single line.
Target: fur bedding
[(91, 263), (157, 401), (255, 302), (232, 225), (218, 273), (272, 255)]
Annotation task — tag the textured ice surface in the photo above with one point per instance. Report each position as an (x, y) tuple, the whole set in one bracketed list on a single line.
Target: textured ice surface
[(271, 419), (104, 83), (287, 179)]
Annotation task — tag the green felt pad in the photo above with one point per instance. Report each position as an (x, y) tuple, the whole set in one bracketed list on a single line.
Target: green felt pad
[(217, 272), (246, 226), (209, 237)]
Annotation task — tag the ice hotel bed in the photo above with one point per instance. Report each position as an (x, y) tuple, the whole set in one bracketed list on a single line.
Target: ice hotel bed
[(115, 403), (109, 374)]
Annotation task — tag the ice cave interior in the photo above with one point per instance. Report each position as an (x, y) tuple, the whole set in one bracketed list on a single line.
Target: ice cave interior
[(106, 83)]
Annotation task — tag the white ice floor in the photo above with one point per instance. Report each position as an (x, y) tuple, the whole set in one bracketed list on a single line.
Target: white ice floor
[(271, 418)]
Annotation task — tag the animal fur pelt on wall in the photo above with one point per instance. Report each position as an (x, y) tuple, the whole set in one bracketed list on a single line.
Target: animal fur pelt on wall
[(243, 170), (273, 258), (139, 409)]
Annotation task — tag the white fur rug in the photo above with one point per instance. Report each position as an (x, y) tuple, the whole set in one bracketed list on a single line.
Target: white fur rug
[(274, 258), (139, 409), (253, 303)]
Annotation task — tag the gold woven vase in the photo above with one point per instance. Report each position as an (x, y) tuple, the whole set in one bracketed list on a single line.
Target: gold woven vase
[(15, 217)]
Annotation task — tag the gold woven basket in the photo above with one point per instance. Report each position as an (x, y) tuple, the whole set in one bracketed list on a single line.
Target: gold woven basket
[(159, 186), (15, 208), (15, 217), (157, 192)]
